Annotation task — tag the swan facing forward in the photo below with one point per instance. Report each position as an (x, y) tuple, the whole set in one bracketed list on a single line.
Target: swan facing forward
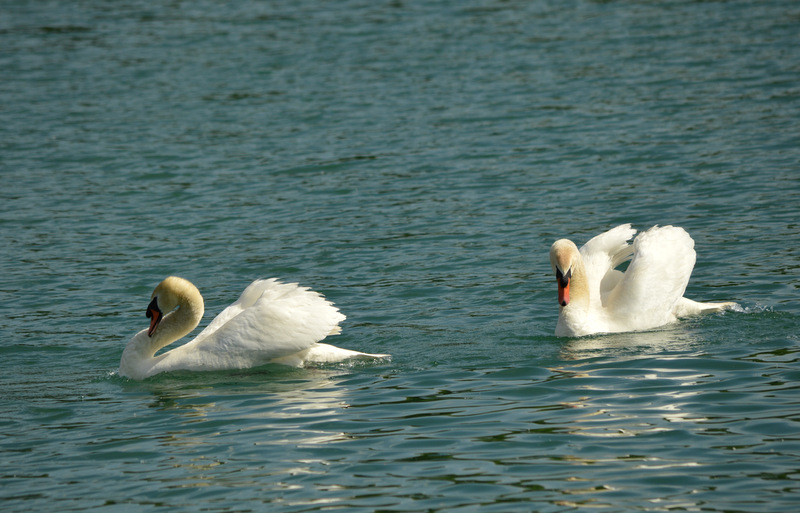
[(271, 322), (595, 297)]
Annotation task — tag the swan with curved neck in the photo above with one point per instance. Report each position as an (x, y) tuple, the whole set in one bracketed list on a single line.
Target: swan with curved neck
[(271, 322), (595, 297)]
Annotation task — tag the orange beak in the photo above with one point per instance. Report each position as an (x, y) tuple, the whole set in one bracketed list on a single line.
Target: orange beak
[(563, 294), (563, 286), (154, 314)]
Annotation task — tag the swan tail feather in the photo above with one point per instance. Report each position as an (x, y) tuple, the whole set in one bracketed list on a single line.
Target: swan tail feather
[(686, 307)]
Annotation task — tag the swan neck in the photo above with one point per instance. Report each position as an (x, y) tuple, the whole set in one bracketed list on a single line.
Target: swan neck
[(573, 317), (179, 322), (579, 285), (176, 324), (184, 309)]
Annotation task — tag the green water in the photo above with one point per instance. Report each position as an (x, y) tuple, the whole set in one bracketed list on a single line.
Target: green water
[(413, 161)]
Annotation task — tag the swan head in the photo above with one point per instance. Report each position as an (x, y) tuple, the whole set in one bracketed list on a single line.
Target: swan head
[(563, 258), (172, 293)]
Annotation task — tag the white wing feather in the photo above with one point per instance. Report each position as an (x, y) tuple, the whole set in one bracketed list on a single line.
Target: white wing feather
[(269, 320), (601, 255), (657, 276)]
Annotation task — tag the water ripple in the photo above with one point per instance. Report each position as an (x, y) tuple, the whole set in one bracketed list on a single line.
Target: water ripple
[(413, 161)]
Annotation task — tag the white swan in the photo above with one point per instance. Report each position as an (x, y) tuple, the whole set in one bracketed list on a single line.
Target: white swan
[(271, 322), (597, 298)]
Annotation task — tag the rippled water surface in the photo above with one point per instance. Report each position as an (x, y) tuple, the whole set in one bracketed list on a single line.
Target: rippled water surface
[(413, 161)]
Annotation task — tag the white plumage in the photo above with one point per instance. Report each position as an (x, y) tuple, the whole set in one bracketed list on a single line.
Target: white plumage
[(595, 297), (271, 322)]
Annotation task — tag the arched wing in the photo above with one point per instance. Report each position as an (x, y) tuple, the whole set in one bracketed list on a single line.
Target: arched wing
[(248, 298), (269, 320), (663, 259), (601, 255)]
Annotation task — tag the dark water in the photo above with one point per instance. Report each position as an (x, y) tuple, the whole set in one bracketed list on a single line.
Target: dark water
[(413, 161)]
